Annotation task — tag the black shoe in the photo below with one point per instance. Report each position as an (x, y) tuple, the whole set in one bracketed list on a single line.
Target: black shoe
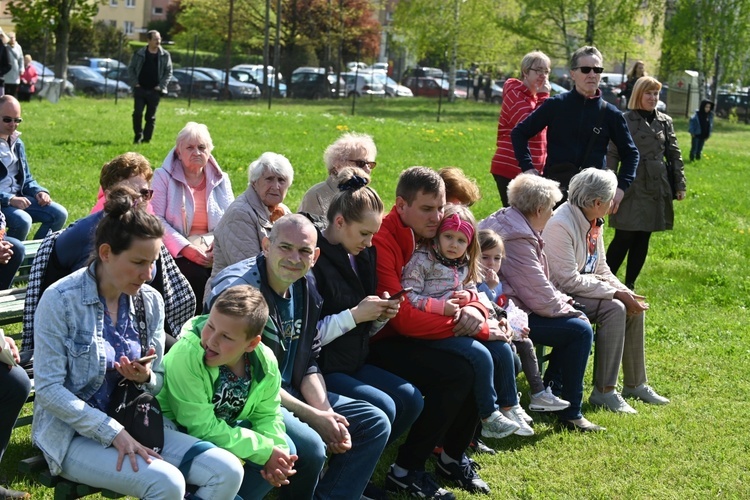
[(417, 484), (138, 139), (373, 492), (478, 446), (464, 474)]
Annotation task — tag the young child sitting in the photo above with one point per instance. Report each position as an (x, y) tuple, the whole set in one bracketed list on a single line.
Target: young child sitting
[(493, 252), (442, 273), (222, 385)]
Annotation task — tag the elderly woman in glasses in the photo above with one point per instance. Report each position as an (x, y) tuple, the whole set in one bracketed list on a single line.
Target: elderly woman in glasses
[(250, 217), (349, 150), (64, 252), (580, 124), (191, 194), (520, 99), (578, 267)]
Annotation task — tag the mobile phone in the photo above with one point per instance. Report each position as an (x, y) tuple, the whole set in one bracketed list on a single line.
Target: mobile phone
[(401, 293), (144, 359)]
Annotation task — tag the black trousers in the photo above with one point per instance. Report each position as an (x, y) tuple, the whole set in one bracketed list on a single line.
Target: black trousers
[(446, 381), (148, 99)]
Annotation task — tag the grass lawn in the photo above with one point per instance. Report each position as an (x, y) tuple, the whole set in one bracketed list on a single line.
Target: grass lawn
[(697, 278)]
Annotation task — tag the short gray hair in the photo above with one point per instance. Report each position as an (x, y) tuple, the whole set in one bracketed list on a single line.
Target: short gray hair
[(193, 130), (591, 184), (270, 162), (584, 51), (532, 59), (528, 193), (349, 146)]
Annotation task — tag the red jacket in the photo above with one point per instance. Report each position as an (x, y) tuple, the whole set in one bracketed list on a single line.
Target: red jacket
[(518, 103), (395, 243)]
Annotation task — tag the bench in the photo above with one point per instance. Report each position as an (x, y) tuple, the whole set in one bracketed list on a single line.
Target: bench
[(36, 467), (11, 300)]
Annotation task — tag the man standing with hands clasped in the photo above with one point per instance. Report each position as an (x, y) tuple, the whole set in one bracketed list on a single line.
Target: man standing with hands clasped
[(149, 72)]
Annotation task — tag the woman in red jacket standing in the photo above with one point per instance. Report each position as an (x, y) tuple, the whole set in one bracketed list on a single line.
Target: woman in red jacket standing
[(520, 99)]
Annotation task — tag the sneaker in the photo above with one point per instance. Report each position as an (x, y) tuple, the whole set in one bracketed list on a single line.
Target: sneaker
[(582, 425), (611, 400), (523, 428), (373, 492), (645, 393), (417, 483), (547, 401), (464, 474), (498, 426), (525, 416), (478, 446)]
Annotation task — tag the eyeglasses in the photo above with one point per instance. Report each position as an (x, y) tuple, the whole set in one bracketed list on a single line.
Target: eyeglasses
[(364, 163), (146, 194), (544, 72), (587, 69), (8, 119)]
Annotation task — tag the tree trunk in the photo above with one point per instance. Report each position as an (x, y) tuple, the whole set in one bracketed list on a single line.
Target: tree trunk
[(62, 37), (591, 23)]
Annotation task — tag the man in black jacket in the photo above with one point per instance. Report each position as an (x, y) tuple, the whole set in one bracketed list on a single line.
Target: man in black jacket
[(149, 72)]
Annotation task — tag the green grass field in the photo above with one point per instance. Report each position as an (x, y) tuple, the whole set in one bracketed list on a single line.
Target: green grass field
[(697, 279)]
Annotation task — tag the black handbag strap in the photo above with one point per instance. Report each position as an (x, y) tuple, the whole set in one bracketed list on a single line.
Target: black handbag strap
[(594, 132), (140, 322)]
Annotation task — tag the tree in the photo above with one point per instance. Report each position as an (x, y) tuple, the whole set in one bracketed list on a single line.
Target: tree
[(38, 17)]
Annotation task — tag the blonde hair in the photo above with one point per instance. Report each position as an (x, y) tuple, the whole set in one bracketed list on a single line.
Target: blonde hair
[(643, 85), (459, 187), (348, 147), (473, 252)]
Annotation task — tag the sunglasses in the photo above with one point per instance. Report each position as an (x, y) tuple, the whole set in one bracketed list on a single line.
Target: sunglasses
[(8, 119), (146, 194), (364, 163), (587, 69)]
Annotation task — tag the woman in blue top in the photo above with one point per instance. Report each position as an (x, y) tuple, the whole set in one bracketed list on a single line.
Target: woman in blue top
[(87, 335)]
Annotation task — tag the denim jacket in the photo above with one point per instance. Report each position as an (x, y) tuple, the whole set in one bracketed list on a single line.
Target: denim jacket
[(29, 186), (70, 363)]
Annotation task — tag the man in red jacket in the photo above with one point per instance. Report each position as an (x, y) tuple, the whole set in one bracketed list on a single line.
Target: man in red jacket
[(445, 379)]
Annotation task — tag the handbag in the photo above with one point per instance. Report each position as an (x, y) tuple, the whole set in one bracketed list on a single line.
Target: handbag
[(136, 409), (202, 241), (24, 88)]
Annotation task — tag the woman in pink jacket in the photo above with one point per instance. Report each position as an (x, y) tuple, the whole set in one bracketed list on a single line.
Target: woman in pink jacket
[(520, 99), (554, 319)]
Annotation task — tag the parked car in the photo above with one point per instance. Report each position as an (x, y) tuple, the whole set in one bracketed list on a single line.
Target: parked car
[(46, 75), (392, 88), (422, 71), (380, 66), (100, 64), (256, 70), (198, 85), (237, 89), (121, 74), (466, 84), (314, 83), (363, 83), (428, 86), (355, 64), (92, 83), (246, 76), (728, 103)]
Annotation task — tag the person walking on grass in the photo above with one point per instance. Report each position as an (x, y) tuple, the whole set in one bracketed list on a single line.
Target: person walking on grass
[(700, 127), (149, 72)]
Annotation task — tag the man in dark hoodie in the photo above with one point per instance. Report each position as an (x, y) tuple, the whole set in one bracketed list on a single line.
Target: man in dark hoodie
[(700, 127)]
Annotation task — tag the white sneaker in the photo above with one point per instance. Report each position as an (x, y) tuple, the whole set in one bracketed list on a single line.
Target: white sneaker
[(522, 413), (645, 393), (523, 428), (610, 400), (547, 401), (498, 426)]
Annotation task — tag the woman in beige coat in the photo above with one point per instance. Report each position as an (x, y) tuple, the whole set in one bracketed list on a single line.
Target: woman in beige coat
[(647, 205)]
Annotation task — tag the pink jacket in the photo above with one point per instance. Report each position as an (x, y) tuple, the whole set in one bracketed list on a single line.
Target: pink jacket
[(173, 202), (524, 272)]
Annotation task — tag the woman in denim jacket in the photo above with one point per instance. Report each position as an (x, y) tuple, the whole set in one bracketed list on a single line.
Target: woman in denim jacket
[(86, 338)]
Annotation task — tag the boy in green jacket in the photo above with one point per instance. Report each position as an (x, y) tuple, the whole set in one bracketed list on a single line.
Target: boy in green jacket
[(222, 385)]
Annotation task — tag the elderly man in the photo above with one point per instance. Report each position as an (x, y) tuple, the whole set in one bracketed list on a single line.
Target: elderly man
[(444, 378), (149, 72), (23, 200), (355, 432), (15, 55), (580, 125)]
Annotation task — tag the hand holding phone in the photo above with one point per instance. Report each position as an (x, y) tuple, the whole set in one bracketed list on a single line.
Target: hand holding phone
[(401, 293), (145, 359)]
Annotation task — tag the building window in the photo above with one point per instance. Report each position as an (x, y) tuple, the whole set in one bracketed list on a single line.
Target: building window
[(129, 27), (158, 11), (130, 3), (113, 3)]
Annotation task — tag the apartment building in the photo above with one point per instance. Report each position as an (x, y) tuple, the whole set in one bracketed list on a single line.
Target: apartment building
[(132, 16)]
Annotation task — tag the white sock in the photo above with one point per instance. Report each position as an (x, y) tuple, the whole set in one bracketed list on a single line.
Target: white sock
[(399, 471), (446, 459), (539, 394)]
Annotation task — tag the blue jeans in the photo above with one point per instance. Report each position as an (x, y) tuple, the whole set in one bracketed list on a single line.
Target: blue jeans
[(8, 271), (571, 340), (216, 472), (52, 217), (348, 473), (696, 147), (14, 389), (399, 400)]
